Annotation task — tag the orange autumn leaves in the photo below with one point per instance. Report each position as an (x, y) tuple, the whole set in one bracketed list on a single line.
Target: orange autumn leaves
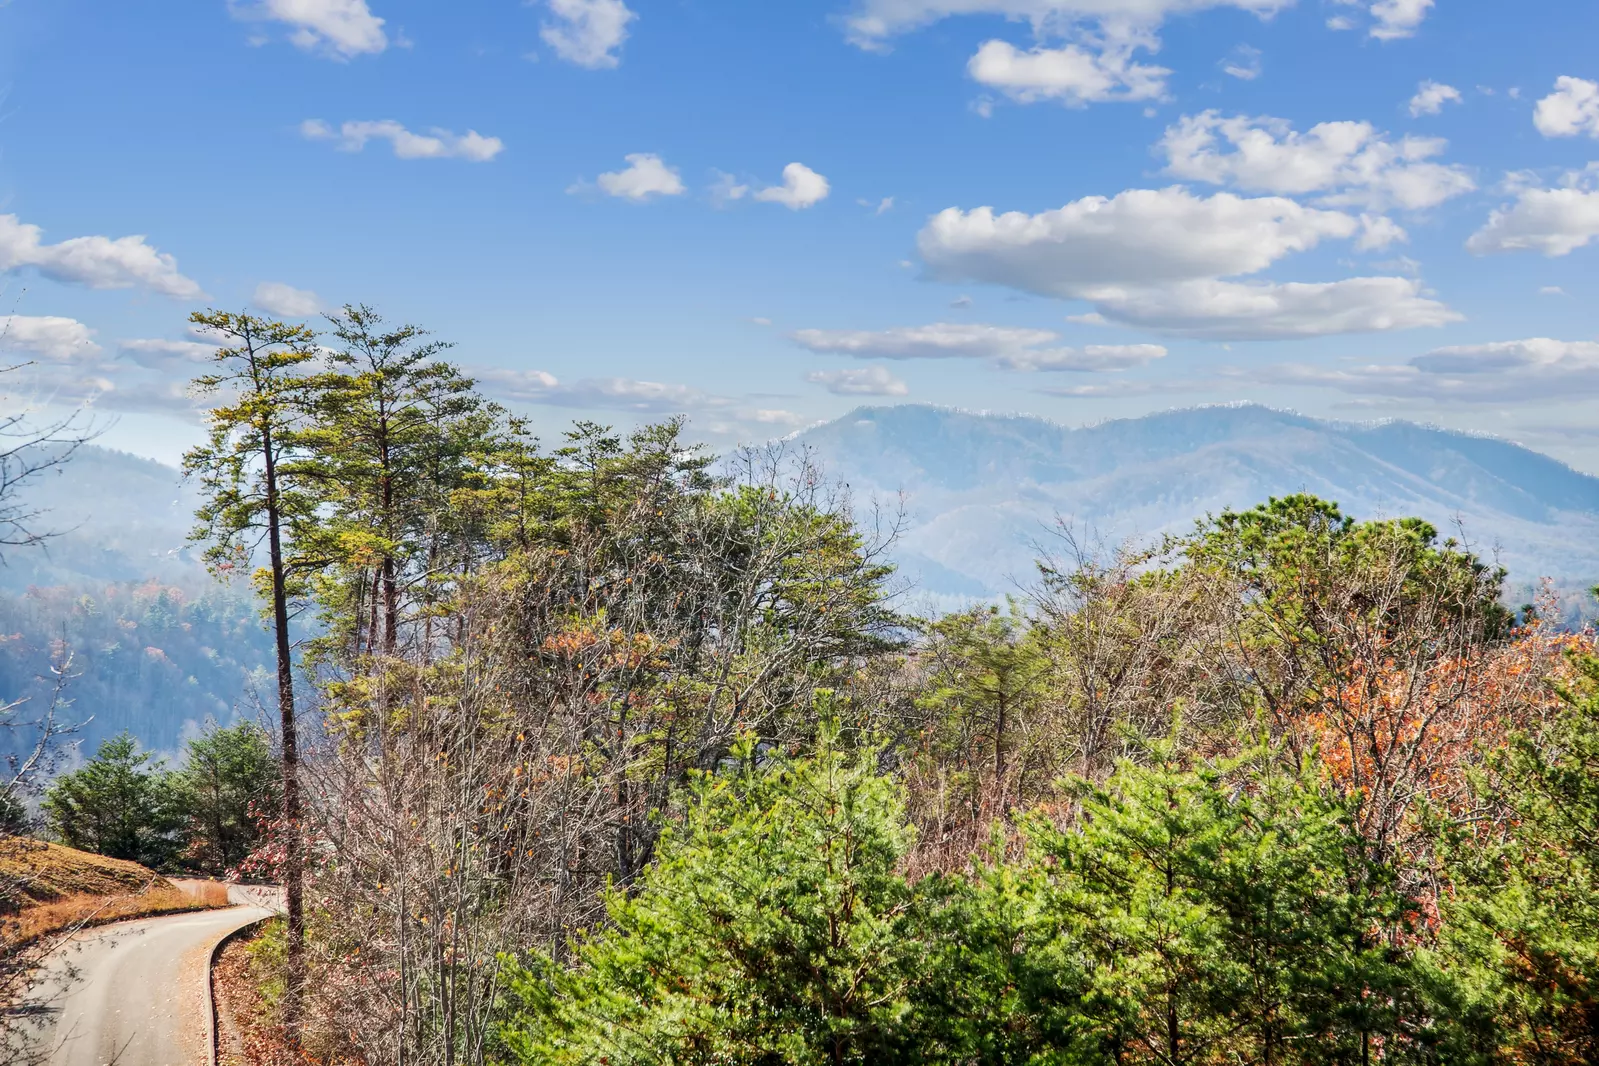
[(1399, 739)]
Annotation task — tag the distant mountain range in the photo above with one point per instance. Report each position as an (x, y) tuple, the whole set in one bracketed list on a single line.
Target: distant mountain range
[(984, 491), (160, 645), (112, 517)]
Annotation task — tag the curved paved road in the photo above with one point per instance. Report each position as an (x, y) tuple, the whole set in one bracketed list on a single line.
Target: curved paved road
[(131, 994)]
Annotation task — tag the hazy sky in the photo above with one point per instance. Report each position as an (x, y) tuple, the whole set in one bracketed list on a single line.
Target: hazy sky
[(763, 213)]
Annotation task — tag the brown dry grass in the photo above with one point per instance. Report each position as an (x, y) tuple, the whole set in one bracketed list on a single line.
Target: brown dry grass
[(205, 893), (46, 872), (70, 912), (62, 888)]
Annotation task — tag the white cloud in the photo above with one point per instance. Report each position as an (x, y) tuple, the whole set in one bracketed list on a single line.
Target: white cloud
[(588, 32), (1497, 373), (276, 298), (96, 262), (59, 339), (1091, 358), (941, 340), (341, 28), (1230, 310), (878, 207), (435, 144), (1349, 163), (1156, 259), (1141, 236), (874, 22), (1573, 108), (802, 187), (646, 176), (157, 354), (1430, 98), (1551, 290), (1243, 62), (1378, 232), (1395, 19), (1073, 75), (859, 381), (1553, 222), (1010, 348)]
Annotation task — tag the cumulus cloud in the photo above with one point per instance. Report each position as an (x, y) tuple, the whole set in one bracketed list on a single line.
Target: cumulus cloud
[(69, 368), (1430, 98), (859, 381), (873, 23), (95, 262), (646, 176), (1572, 109), (1378, 232), (1213, 309), (802, 187), (1073, 75), (1006, 347), (1395, 19), (49, 336), (1082, 50), (588, 32), (1497, 373), (1552, 222), (1157, 258), (276, 298), (339, 28), (435, 144), (1347, 163), (1140, 236)]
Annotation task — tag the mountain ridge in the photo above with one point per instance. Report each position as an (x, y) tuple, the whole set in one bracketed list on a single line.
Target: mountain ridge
[(982, 488)]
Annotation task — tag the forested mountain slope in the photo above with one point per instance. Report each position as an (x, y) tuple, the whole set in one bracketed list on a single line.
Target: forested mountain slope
[(984, 490), (155, 642)]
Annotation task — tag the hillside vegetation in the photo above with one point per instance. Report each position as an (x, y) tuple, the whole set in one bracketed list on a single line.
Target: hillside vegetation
[(610, 750)]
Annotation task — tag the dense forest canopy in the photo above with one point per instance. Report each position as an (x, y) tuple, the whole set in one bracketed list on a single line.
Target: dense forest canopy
[(146, 657)]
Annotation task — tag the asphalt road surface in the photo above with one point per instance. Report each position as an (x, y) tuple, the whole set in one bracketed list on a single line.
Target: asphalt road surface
[(130, 994)]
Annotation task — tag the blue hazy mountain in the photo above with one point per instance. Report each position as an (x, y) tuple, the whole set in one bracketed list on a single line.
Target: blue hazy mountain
[(985, 492), (157, 645)]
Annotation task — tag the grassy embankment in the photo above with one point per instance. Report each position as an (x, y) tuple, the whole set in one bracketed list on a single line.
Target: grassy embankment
[(60, 888)]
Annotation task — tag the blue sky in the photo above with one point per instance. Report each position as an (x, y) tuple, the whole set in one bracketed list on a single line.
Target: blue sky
[(764, 214)]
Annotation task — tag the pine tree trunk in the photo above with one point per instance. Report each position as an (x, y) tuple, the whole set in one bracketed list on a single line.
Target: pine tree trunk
[(293, 864)]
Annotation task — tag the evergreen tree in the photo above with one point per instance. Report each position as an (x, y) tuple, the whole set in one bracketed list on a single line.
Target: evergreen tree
[(1225, 913), (1519, 960), (229, 781), (773, 928), (397, 433), (250, 495), (119, 804)]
